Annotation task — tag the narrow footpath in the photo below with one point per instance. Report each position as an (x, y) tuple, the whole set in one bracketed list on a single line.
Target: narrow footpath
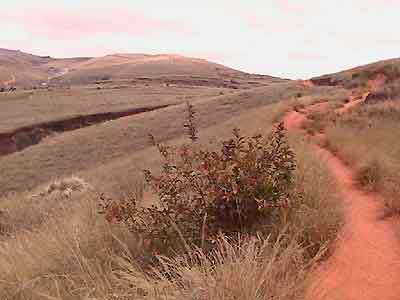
[(365, 261)]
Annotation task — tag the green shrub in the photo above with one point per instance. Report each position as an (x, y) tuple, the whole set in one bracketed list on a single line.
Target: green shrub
[(203, 194)]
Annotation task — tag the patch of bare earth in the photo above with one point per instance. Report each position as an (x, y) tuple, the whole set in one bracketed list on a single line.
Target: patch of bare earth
[(352, 102), (365, 261)]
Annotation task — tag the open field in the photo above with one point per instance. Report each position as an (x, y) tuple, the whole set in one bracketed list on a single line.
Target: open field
[(92, 147), (24, 108)]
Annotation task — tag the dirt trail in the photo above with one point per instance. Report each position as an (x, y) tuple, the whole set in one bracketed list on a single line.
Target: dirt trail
[(365, 263), (293, 120), (353, 102)]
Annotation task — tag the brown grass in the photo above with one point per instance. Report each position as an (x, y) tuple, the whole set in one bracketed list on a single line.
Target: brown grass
[(367, 138), (73, 254), (91, 148), (319, 210), (257, 269), (24, 108)]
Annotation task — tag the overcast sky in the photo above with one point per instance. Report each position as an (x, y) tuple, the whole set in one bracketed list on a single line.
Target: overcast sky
[(295, 39)]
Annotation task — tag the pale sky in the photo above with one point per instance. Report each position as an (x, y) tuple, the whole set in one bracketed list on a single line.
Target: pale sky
[(294, 39)]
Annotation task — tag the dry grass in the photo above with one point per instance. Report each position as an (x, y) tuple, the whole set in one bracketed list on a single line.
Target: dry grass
[(82, 258), (43, 204), (74, 254), (256, 269), (318, 119), (116, 176), (59, 247), (68, 257), (319, 209), (367, 138), (93, 147), (24, 108)]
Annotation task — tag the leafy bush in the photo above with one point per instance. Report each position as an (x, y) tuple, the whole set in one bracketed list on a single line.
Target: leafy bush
[(369, 175), (204, 194)]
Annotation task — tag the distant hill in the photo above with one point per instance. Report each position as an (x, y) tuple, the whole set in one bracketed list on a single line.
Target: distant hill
[(20, 66), (362, 75), (22, 69)]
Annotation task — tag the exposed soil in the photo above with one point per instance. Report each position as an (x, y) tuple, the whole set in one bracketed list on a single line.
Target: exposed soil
[(11, 81), (365, 263), (24, 137), (353, 102), (306, 83), (294, 120)]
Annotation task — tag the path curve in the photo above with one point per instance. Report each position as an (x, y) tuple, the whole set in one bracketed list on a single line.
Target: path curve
[(352, 102), (365, 264)]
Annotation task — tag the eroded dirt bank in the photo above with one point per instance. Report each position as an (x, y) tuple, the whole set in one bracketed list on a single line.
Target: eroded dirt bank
[(24, 137), (365, 263)]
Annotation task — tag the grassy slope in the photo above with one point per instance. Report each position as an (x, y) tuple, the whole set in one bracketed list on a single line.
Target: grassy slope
[(95, 146), (359, 76), (124, 66), (25, 67), (73, 254), (368, 139), (63, 249), (31, 70), (30, 107)]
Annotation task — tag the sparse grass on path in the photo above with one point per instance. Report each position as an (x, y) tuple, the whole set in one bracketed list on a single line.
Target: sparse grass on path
[(368, 139)]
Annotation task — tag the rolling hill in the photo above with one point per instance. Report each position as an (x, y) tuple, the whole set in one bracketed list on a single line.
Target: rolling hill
[(21, 69), (359, 76)]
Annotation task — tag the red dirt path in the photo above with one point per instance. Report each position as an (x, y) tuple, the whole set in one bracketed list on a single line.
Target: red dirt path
[(353, 102), (365, 263)]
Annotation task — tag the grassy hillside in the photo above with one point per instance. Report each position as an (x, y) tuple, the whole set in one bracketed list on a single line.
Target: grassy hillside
[(26, 70), (67, 251), (76, 214), (361, 77), (87, 148), (367, 138)]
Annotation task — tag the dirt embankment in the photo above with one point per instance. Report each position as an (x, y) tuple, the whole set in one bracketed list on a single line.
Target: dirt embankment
[(365, 263), (24, 137)]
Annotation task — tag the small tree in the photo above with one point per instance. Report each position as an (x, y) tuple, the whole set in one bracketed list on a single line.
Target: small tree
[(190, 124), (202, 193)]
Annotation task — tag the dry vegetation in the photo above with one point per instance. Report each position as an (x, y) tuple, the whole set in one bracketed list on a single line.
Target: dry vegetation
[(29, 107), (247, 216), (63, 249), (368, 139), (95, 147)]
